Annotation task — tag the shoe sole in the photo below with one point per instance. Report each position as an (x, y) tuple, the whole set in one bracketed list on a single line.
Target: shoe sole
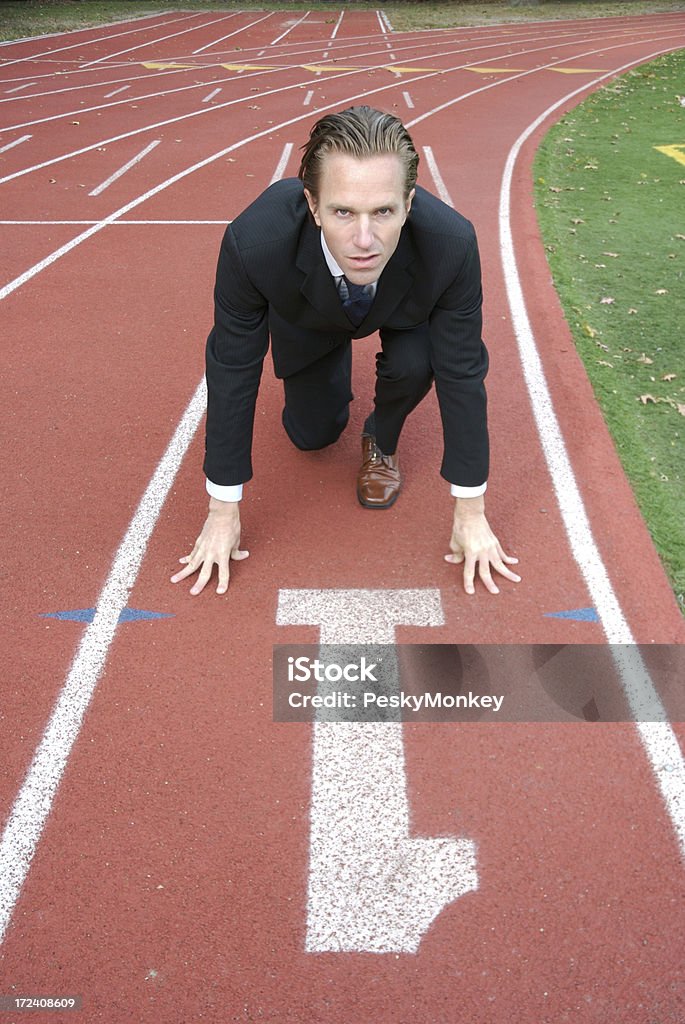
[(367, 504)]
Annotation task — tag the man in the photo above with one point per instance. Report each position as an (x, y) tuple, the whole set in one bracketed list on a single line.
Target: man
[(352, 247)]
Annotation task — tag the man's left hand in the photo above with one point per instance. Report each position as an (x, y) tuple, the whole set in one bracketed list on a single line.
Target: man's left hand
[(474, 544)]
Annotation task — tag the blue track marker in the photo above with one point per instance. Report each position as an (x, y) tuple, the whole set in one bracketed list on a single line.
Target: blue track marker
[(578, 614), (88, 614)]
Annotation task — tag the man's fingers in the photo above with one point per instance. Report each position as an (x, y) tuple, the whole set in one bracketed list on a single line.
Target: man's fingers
[(507, 573), (189, 569), (469, 572), (203, 578), (500, 567), (223, 576), (504, 556), (484, 563), (484, 573)]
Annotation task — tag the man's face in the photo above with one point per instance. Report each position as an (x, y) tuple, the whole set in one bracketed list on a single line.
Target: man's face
[(361, 209)]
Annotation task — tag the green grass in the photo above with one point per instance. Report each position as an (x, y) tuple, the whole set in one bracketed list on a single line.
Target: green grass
[(19, 18), (611, 209)]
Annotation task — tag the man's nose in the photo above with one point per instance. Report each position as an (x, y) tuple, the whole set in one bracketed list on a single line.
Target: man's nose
[(363, 235)]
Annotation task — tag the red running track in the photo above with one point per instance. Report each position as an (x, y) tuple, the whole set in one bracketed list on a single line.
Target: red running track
[(170, 853)]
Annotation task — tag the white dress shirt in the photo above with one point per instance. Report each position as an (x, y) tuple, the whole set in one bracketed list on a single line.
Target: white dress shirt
[(234, 492)]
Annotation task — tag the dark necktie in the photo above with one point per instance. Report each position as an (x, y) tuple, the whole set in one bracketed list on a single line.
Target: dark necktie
[(358, 301)]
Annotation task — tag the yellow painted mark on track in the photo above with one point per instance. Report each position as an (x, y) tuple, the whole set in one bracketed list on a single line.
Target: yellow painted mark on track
[(153, 66), (495, 71), (676, 151), (406, 71), (396, 69), (326, 67), (247, 67)]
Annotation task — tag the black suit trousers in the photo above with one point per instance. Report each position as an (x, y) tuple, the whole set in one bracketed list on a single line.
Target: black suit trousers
[(317, 398)]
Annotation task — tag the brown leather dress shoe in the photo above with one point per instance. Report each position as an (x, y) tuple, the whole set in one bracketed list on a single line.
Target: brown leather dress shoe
[(378, 481)]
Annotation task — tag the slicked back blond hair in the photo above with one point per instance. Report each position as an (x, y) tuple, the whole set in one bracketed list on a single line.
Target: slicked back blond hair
[(360, 132)]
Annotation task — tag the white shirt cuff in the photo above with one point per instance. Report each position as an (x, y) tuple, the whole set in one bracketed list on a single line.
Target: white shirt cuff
[(467, 492), (230, 492)]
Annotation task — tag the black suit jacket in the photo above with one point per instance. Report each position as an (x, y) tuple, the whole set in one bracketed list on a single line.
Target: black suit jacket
[(273, 281)]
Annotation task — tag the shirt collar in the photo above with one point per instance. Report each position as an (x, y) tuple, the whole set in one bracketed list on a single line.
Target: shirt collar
[(331, 261)]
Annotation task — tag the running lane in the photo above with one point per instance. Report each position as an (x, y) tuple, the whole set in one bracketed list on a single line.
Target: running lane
[(171, 853)]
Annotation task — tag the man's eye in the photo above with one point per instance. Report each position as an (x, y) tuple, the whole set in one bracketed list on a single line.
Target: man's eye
[(342, 213), (384, 211)]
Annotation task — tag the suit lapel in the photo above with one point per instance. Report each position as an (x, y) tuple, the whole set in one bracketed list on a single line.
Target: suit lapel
[(319, 286), (393, 284)]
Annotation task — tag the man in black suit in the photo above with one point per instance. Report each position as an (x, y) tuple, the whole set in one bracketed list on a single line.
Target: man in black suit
[(351, 247)]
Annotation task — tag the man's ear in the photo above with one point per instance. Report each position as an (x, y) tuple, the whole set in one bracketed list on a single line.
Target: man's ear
[(313, 206), (408, 200)]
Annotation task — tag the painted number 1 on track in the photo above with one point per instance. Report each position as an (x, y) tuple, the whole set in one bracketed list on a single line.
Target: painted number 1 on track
[(372, 887)]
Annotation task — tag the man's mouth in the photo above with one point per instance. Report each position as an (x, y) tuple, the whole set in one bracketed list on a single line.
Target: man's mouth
[(361, 261)]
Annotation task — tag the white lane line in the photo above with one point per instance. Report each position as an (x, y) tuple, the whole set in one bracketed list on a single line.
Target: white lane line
[(275, 70), (83, 86), (408, 100), (19, 840), (282, 163), (385, 20), (151, 42), (151, 127), (63, 250), (659, 741), (437, 177), (381, 23), (244, 28), (88, 42), (373, 887), (211, 95), (288, 30), (73, 31), (126, 167), (18, 88), (33, 803), (308, 98), (337, 25), (34, 800), (115, 224), (117, 91), (11, 145), (514, 77)]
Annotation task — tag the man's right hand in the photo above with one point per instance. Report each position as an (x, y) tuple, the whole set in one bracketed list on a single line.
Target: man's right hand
[(216, 545)]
